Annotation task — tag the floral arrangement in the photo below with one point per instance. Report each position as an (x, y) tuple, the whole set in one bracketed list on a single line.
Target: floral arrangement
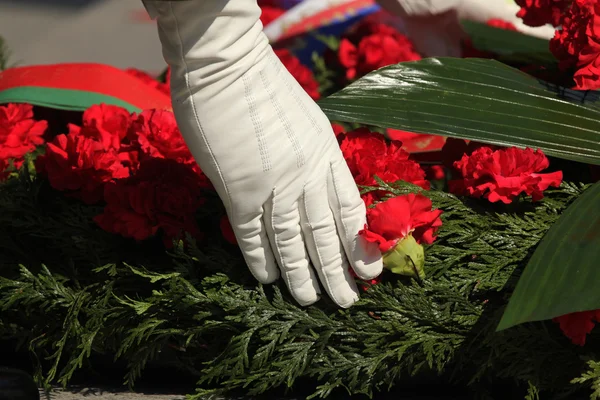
[(114, 242)]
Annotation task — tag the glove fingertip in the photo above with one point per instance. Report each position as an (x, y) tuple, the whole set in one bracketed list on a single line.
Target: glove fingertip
[(307, 301), (368, 272), (348, 302), (367, 262), (266, 271)]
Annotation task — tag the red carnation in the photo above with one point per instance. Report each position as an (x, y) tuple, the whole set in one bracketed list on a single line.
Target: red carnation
[(300, 72), (163, 196), (158, 136), (19, 133), (394, 219), (542, 12), (384, 46), (107, 124), (504, 174), (149, 80), (361, 143), (368, 155), (577, 44), (577, 325), (88, 157), (81, 165), (348, 57), (405, 170)]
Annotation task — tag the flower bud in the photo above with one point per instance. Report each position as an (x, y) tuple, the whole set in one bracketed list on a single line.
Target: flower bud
[(406, 258)]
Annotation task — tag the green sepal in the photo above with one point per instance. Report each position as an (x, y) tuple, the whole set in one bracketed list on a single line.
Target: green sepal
[(407, 258)]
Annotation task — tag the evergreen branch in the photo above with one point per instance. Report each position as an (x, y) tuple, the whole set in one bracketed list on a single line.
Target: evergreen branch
[(89, 292), (591, 376)]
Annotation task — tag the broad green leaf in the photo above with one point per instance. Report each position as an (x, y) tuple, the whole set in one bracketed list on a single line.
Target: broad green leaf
[(563, 274), (474, 99), (509, 45)]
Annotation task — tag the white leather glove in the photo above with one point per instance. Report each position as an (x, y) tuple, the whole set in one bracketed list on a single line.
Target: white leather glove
[(434, 25), (267, 148)]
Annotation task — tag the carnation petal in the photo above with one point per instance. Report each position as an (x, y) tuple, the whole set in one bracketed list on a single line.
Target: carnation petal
[(372, 237)]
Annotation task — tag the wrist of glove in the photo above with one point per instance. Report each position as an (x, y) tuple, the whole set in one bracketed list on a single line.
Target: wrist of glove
[(434, 25), (267, 148)]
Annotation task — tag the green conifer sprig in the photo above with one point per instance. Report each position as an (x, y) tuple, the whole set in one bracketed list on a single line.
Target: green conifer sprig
[(591, 376), (71, 291)]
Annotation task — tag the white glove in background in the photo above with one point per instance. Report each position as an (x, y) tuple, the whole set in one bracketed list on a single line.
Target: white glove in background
[(267, 148), (434, 27)]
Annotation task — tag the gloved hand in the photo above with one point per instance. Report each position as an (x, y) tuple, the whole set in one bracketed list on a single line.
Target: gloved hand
[(434, 25), (267, 148)]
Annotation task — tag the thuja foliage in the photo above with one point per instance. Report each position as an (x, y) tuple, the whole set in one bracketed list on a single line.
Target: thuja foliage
[(69, 291)]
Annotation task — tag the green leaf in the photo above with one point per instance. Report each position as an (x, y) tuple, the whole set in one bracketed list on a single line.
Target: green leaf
[(474, 99), (562, 276), (509, 45)]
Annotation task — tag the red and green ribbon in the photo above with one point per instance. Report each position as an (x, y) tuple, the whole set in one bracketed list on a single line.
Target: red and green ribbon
[(77, 86)]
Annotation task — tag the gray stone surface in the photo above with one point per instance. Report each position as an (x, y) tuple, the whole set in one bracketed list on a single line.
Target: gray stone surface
[(114, 32)]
